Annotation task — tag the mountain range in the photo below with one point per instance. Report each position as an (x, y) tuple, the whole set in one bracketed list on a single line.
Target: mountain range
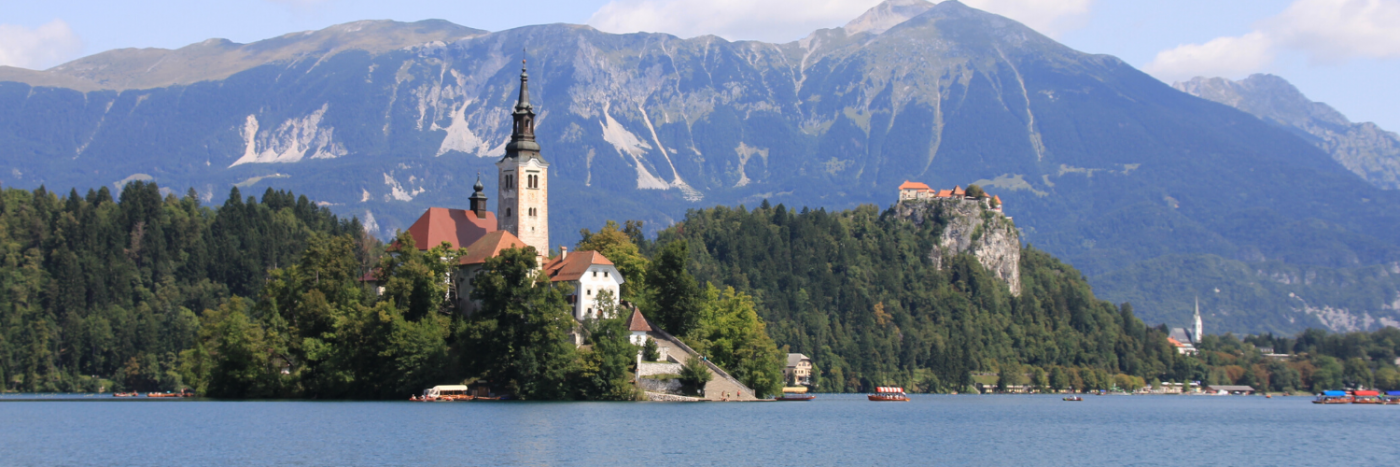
[(1156, 195)]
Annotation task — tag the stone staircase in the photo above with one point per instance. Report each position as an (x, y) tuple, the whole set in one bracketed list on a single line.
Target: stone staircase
[(722, 385)]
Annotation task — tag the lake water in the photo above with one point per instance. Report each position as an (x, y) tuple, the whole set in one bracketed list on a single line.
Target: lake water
[(844, 430)]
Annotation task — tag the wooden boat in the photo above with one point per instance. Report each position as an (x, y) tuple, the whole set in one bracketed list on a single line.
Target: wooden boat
[(889, 394), (795, 393), (1074, 399), (1333, 397), (795, 397), (126, 394), (1391, 398), (447, 393), (1367, 397)]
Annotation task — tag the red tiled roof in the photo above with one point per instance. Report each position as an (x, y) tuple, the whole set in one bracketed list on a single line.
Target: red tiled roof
[(945, 193), (458, 227), (958, 191), (489, 246), (371, 276), (637, 322), (572, 267), (908, 185)]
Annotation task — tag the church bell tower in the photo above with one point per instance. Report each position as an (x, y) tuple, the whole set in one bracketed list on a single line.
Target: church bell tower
[(523, 201)]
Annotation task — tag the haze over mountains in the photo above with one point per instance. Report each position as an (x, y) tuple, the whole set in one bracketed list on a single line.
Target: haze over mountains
[(1156, 195)]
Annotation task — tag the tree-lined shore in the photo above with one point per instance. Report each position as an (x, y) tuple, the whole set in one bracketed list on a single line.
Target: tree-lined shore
[(262, 298)]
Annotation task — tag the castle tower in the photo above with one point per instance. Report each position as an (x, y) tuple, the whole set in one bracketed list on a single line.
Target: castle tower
[(1197, 335), (523, 202)]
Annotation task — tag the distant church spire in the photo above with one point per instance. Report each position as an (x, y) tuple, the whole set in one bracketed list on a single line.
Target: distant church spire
[(1196, 336), (522, 134)]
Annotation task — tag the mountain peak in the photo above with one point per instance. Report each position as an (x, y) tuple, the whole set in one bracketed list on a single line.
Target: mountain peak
[(886, 15)]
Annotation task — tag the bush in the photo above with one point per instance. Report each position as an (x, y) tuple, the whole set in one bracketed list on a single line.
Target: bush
[(694, 375), (649, 351)]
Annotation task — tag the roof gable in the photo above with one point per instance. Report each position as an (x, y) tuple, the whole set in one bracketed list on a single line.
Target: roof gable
[(637, 322), (574, 265), (458, 227), (489, 246)]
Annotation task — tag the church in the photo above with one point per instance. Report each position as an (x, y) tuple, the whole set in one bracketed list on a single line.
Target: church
[(521, 219)]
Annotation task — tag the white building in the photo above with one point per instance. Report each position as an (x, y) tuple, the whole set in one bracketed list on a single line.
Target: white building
[(591, 274)]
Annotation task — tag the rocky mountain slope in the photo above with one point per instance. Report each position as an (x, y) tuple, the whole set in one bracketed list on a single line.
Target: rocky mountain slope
[(1100, 164), (1363, 148)]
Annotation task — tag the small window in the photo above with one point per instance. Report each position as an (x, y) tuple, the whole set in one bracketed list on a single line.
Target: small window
[(595, 273), (507, 212), (605, 273), (590, 292)]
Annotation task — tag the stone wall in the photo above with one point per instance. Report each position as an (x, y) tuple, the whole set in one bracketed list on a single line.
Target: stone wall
[(970, 227), (645, 369), (669, 386)]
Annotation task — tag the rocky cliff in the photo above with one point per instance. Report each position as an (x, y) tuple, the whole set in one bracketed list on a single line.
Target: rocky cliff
[(971, 227)]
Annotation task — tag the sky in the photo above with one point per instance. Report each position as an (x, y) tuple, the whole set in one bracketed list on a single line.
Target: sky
[(1342, 52)]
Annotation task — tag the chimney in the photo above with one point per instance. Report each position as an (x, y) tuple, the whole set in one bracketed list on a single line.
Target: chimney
[(563, 252)]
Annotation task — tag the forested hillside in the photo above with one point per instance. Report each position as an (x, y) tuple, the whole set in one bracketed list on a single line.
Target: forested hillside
[(114, 288), (855, 290)]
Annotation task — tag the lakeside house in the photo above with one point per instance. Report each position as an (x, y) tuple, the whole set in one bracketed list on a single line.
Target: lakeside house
[(798, 370)]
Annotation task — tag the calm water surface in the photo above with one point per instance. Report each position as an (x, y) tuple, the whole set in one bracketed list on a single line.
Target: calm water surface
[(832, 430)]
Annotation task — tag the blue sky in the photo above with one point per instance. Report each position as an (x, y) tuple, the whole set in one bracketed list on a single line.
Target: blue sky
[(1343, 52)]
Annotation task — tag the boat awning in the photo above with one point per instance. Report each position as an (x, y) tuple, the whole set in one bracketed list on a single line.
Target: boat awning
[(1368, 393), (451, 387), (889, 389), (1334, 393)]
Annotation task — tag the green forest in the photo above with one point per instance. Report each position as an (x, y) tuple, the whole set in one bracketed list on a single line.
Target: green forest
[(264, 298)]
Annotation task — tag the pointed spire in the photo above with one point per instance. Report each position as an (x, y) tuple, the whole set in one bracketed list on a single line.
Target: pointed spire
[(524, 103)]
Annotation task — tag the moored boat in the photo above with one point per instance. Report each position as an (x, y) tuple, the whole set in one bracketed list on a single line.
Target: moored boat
[(1367, 397), (1333, 397), (1074, 399), (126, 394), (444, 393), (889, 394), (795, 393), (1391, 398)]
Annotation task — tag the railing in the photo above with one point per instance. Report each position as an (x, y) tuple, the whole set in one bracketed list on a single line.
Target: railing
[(693, 354)]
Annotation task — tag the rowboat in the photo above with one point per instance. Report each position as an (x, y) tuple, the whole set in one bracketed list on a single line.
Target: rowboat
[(1074, 399), (889, 394)]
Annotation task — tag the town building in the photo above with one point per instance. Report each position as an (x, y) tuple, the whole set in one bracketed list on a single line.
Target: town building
[(915, 191), (1185, 340), (592, 276), (798, 370)]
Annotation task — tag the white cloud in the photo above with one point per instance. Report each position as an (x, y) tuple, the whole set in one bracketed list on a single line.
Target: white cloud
[(1222, 56), (788, 20), (1326, 31), (40, 47), (1334, 30)]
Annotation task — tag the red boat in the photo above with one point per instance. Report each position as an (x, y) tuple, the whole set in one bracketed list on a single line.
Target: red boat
[(1367, 397), (889, 394)]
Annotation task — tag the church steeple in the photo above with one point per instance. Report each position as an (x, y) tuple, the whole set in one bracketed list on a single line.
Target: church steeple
[(1196, 336), (522, 134), (522, 207)]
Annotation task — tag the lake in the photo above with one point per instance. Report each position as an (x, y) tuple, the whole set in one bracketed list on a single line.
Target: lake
[(843, 430)]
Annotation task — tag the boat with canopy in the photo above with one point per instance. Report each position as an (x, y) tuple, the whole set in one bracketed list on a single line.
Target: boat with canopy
[(889, 394)]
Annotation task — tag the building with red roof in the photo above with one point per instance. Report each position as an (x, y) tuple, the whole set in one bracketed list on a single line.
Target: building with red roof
[(591, 274)]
